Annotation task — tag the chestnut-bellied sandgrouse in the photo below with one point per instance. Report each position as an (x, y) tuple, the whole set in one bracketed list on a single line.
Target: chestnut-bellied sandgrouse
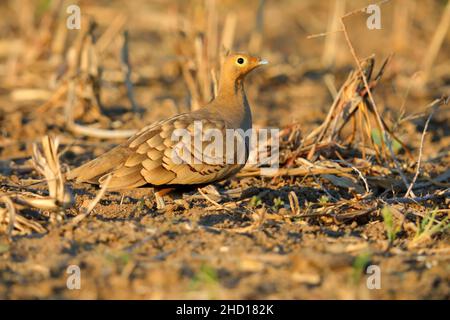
[(153, 157)]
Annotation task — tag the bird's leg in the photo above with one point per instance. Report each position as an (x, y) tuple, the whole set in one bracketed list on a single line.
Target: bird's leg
[(160, 205)]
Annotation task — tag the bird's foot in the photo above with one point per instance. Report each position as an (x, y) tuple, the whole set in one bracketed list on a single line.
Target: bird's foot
[(160, 204)]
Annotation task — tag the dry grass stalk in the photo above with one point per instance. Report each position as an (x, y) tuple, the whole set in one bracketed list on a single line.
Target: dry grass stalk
[(355, 102), (331, 44), (254, 172), (85, 75), (228, 32), (202, 51), (398, 166), (257, 34), (419, 160), (86, 130), (40, 38), (444, 194), (350, 107), (12, 223), (215, 203), (85, 211), (293, 203), (110, 33), (82, 56), (46, 162), (364, 76), (436, 42), (403, 10), (357, 91)]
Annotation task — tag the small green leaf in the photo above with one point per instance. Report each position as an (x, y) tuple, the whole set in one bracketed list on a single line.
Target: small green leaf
[(360, 264), (389, 224), (277, 203), (324, 199), (378, 137), (4, 248), (255, 201)]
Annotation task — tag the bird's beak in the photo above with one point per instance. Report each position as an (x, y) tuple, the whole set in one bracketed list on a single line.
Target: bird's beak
[(262, 62)]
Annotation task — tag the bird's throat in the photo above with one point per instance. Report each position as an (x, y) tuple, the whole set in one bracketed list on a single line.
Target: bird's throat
[(231, 88), (231, 101)]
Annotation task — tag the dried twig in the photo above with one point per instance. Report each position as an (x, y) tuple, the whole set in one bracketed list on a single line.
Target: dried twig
[(323, 188), (380, 123), (85, 130), (419, 160), (111, 32), (361, 176), (46, 162), (100, 133), (398, 166), (431, 197), (16, 224), (293, 203), (253, 172), (216, 204), (86, 211)]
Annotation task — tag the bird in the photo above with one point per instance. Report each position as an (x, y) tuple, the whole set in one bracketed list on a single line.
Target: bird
[(147, 158)]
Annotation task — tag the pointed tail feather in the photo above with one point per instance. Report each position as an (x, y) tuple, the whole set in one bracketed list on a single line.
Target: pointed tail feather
[(94, 169)]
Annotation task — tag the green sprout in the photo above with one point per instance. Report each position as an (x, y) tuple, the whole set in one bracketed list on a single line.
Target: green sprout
[(3, 248), (277, 203), (255, 201), (429, 226), (389, 224), (360, 264), (378, 138), (205, 278), (324, 199)]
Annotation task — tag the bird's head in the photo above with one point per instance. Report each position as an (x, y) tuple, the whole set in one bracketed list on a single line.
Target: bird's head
[(237, 65)]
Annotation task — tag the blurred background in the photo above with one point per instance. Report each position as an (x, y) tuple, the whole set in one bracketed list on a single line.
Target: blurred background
[(134, 62)]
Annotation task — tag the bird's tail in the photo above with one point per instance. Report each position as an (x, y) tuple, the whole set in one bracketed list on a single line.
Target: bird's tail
[(93, 170)]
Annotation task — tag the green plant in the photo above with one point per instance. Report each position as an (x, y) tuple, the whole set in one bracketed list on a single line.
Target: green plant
[(206, 276), (429, 226), (43, 6), (360, 264), (119, 258), (4, 248), (389, 224), (378, 137), (255, 201), (206, 280), (324, 199), (277, 203)]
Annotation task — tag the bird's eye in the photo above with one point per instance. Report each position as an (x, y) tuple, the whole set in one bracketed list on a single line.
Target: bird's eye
[(240, 60)]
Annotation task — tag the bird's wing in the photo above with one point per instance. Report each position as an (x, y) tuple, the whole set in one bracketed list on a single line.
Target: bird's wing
[(175, 151)]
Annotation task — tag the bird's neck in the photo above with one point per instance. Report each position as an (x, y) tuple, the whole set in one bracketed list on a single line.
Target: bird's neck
[(232, 100), (231, 89)]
